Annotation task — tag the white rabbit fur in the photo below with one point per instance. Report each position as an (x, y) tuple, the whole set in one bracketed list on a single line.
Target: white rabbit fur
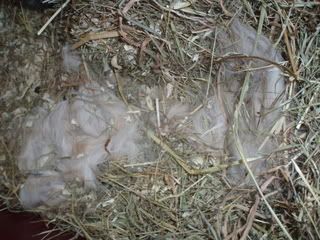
[(261, 107), (42, 189), (213, 124), (73, 139)]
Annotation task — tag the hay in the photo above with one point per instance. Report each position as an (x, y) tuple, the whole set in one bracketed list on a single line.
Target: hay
[(170, 49)]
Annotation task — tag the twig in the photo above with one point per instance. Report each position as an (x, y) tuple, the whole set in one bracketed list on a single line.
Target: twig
[(53, 17), (95, 36), (185, 166), (290, 53), (226, 12), (128, 6)]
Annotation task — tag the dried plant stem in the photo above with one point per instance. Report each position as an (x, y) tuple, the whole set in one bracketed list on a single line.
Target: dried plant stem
[(185, 166), (53, 17)]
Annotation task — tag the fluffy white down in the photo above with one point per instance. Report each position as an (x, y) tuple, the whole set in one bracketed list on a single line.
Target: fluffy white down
[(42, 189), (210, 125), (213, 125), (71, 139), (261, 107), (71, 60)]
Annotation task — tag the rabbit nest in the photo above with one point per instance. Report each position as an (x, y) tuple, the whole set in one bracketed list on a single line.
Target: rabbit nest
[(163, 119)]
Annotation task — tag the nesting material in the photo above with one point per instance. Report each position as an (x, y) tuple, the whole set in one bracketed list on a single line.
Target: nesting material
[(260, 79), (178, 193), (67, 143), (223, 121), (210, 124)]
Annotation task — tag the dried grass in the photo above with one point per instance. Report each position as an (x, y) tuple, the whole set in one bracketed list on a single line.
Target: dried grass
[(162, 43)]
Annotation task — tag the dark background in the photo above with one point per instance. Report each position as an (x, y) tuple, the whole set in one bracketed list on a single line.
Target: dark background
[(26, 226)]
